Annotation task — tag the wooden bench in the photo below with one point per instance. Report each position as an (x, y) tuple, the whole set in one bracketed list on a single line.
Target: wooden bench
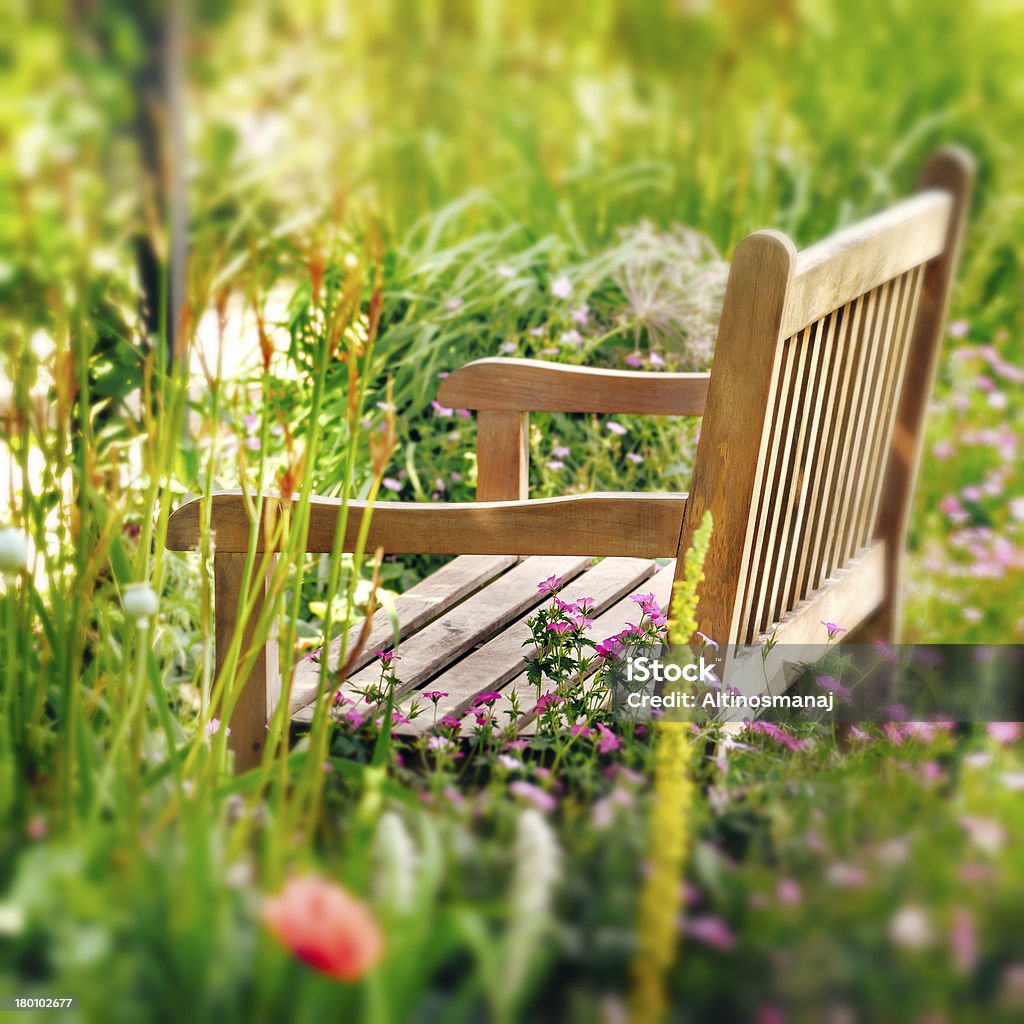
[(810, 442)]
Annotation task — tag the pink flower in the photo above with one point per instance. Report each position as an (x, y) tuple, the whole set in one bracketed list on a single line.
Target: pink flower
[(441, 410), (213, 727), (959, 329), (634, 359), (488, 697), (581, 730), (386, 657), (1004, 732), (540, 798), (391, 483), (709, 931), (609, 648), (572, 337), (963, 940), (847, 876), (555, 464), (607, 741), (617, 428), (325, 926), (559, 627), (433, 695), (546, 701), (635, 458), (887, 653), (450, 722), (707, 640), (833, 629), (560, 451), (774, 732), (550, 585), (788, 892), (581, 314)]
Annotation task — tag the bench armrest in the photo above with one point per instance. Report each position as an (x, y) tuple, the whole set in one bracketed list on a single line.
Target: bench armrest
[(532, 385), (635, 525)]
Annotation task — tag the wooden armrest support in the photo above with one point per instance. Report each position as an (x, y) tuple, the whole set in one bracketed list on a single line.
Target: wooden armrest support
[(531, 385), (637, 525)]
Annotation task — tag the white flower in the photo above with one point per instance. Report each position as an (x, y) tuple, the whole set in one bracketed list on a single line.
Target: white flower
[(561, 287), (911, 928), (13, 551), (140, 602)]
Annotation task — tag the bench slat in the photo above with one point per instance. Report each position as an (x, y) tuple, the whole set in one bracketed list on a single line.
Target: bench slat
[(473, 622), (499, 660), (415, 608)]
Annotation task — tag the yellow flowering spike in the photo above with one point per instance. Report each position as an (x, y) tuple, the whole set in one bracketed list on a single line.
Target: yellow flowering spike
[(660, 901)]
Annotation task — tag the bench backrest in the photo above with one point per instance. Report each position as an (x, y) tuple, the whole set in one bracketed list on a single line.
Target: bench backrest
[(812, 432)]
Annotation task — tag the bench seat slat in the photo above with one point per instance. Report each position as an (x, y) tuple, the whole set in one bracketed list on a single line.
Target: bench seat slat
[(498, 661), (415, 608)]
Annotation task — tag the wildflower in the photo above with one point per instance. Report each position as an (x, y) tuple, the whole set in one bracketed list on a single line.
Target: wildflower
[(325, 926), (609, 649), (634, 359), (832, 685), (707, 640), (13, 552), (710, 931), (314, 656), (509, 763), (355, 719), (555, 464), (433, 695), (540, 798), (886, 652), (1004, 732), (846, 876), (833, 629), (559, 627), (959, 329), (546, 701), (617, 428), (963, 940), (580, 621), (340, 698), (550, 585), (581, 314), (986, 833), (213, 727), (140, 603), (788, 892), (560, 451), (581, 730), (635, 458), (572, 337), (910, 928), (450, 722), (488, 697), (561, 287), (656, 360), (607, 740), (508, 347), (386, 657), (455, 303), (441, 410), (774, 732), (441, 744)]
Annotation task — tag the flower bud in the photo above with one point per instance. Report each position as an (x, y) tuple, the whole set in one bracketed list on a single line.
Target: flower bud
[(140, 602), (13, 551)]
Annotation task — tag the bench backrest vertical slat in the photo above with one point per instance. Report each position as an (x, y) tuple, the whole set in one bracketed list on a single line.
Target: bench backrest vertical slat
[(812, 432)]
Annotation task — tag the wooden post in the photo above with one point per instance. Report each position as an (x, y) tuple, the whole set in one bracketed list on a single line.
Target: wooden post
[(502, 455), (952, 170), (249, 719), (733, 442)]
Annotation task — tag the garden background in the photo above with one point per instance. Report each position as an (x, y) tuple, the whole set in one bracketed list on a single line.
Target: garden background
[(468, 180)]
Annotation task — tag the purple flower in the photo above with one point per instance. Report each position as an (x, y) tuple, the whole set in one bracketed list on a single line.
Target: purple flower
[(386, 657), (634, 359), (609, 649), (550, 585), (559, 627), (540, 798), (833, 629), (434, 695), (555, 464), (581, 730), (547, 701), (584, 604), (581, 621), (450, 722), (617, 428), (832, 685)]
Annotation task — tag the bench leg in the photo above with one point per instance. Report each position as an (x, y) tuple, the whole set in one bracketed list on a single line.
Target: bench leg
[(249, 720)]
